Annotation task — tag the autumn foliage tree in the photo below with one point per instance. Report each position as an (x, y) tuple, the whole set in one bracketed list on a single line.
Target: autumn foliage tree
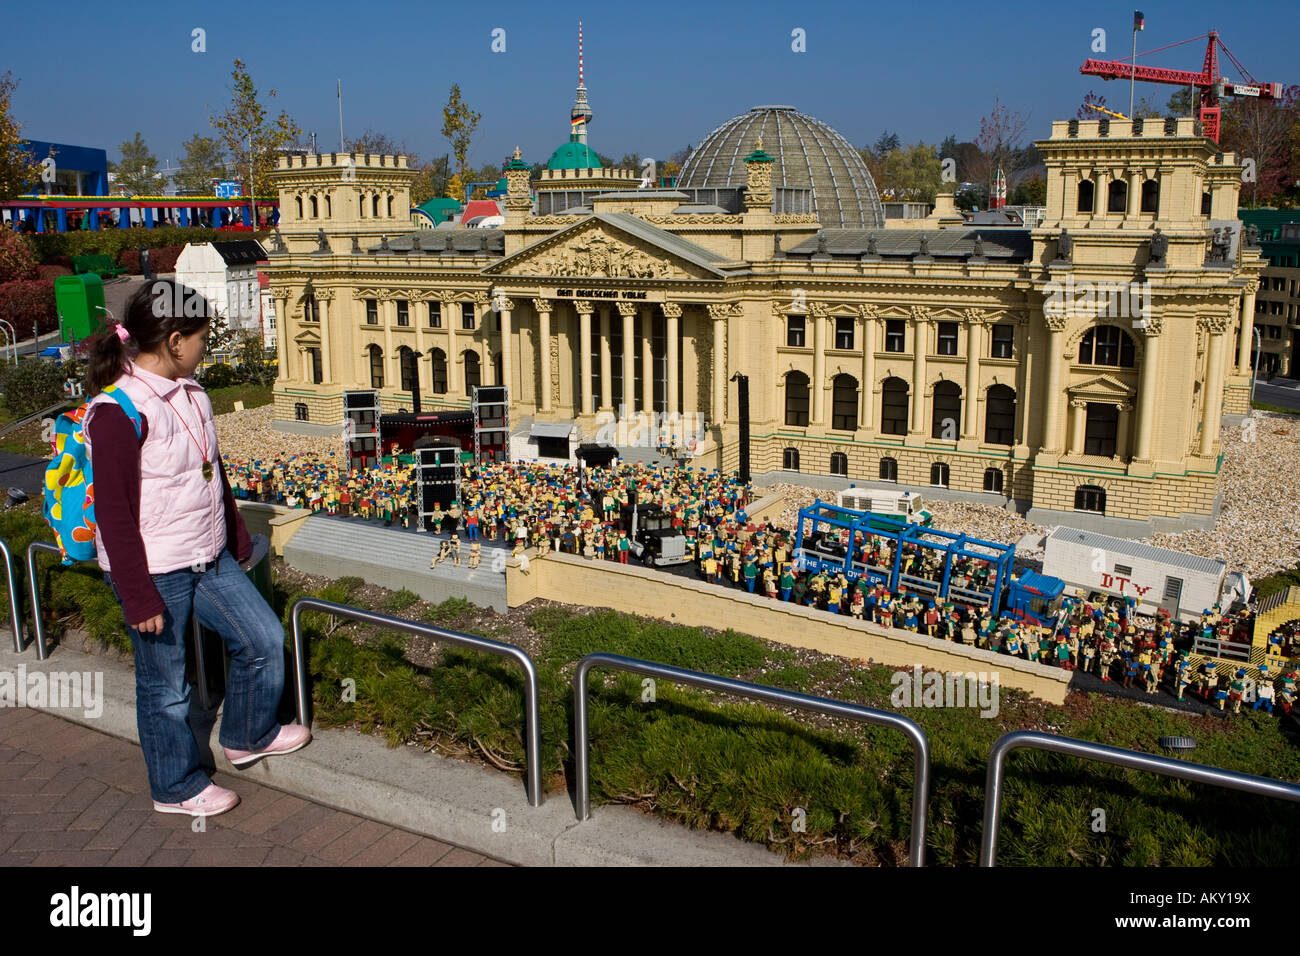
[(19, 171), (249, 135)]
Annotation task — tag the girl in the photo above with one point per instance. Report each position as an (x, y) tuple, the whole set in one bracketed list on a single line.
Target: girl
[(169, 540)]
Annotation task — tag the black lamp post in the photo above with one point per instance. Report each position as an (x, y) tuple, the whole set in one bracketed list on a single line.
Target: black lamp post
[(742, 412), (415, 376)]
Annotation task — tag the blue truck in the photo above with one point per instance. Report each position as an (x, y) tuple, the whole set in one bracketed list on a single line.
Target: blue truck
[(946, 566)]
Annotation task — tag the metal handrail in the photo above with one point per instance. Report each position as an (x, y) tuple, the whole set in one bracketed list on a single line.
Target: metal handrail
[(15, 618), (532, 715), (1134, 760), (38, 632), (821, 705)]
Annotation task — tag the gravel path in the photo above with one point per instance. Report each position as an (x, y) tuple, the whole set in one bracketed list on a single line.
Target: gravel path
[(1258, 530)]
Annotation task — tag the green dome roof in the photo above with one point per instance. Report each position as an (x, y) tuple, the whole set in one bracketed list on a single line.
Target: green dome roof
[(574, 155)]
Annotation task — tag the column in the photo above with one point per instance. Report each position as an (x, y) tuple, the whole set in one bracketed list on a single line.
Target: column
[(324, 299), (1134, 193), (1074, 440), (647, 360), (584, 355), (974, 350), (543, 307), (507, 347), (606, 373), (719, 313), (1121, 437), (672, 313), (455, 378), (1212, 410), (817, 314), (1147, 398), (628, 311), (1052, 395), (281, 297), (867, 413), (1024, 369), (920, 344), (1247, 342), (390, 360)]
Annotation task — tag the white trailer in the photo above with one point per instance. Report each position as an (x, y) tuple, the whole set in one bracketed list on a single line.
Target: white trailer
[(1183, 584), (901, 504)]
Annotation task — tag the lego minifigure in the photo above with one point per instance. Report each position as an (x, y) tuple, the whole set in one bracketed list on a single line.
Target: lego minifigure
[(475, 554)]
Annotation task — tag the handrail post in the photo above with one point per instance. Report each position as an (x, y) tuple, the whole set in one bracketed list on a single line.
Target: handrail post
[(37, 630), (1132, 759), (532, 706), (774, 695), (15, 618)]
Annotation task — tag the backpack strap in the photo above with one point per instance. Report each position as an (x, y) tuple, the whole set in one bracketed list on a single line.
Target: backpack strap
[(128, 406)]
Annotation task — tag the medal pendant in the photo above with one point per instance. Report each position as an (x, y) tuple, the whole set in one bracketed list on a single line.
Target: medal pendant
[(207, 471)]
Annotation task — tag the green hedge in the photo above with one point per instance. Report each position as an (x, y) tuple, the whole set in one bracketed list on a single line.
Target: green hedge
[(112, 242)]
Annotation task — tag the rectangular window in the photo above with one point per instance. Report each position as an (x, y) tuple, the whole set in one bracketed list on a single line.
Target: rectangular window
[(316, 376), (794, 331), (372, 311), (844, 332), (1100, 429), (947, 338), (895, 335), (1124, 569), (1003, 341), (467, 315), (403, 312), (435, 315)]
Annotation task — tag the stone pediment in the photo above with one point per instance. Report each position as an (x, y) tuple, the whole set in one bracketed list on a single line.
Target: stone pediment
[(308, 338), (596, 248), (1102, 388)]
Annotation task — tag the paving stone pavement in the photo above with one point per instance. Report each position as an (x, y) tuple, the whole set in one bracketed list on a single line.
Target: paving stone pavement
[(71, 796)]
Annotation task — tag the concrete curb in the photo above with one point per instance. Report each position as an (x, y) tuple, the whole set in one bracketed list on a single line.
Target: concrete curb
[(436, 796)]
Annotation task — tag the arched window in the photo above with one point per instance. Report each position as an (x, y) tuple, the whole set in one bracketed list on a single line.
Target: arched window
[(374, 205), (496, 370), (315, 208), (1106, 345), (993, 480), (889, 469), (298, 200), (376, 366), (390, 206), (329, 207), (362, 206), (796, 399), (1206, 204), (839, 463), (300, 411), (471, 371), (1150, 196), (893, 407), (438, 359), (405, 364), (790, 459), (1090, 498), (1087, 196), (1117, 196), (1000, 415), (939, 475), (947, 411), (844, 403)]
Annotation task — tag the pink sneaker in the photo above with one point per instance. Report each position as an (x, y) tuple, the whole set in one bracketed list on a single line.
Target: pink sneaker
[(208, 803), (290, 738)]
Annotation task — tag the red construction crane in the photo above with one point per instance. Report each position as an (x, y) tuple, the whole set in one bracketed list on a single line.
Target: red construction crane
[(1209, 81)]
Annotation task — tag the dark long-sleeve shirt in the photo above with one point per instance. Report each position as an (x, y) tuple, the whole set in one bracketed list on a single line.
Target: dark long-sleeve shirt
[(117, 510)]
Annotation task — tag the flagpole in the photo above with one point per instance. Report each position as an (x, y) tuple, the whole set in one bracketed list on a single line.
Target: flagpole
[(341, 149), (1139, 23)]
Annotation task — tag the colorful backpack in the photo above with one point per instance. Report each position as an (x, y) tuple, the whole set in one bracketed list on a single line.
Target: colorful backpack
[(69, 485)]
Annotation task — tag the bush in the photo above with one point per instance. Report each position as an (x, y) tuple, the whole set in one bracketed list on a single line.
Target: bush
[(52, 272), (31, 385), (219, 376), (17, 260), (28, 304), (162, 260), (112, 242), (252, 367)]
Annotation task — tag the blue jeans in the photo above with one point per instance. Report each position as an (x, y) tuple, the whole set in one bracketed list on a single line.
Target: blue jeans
[(227, 602)]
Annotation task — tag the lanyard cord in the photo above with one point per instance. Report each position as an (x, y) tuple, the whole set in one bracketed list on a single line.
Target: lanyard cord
[(168, 403)]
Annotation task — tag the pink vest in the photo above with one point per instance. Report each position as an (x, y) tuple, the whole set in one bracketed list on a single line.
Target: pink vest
[(182, 516)]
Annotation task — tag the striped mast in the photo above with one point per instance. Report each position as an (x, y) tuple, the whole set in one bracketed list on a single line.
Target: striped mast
[(580, 115)]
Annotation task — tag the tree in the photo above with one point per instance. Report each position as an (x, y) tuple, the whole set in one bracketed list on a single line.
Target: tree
[(1031, 192), (1182, 103), (380, 144), (249, 136), (203, 162), (911, 173), (1262, 130), (431, 180), (137, 172), (1086, 111), (19, 171), (458, 124), (999, 144), (1145, 109), (886, 143)]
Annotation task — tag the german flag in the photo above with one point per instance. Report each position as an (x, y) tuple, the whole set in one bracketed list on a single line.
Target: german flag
[(1139, 21), (576, 121)]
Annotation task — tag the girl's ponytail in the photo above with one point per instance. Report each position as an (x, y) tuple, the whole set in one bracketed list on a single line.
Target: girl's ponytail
[(153, 313)]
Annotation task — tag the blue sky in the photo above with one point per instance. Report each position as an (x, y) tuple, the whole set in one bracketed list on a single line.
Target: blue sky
[(655, 83)]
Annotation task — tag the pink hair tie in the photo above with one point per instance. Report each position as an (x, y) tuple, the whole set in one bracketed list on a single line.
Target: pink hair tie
[(121, 331)]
